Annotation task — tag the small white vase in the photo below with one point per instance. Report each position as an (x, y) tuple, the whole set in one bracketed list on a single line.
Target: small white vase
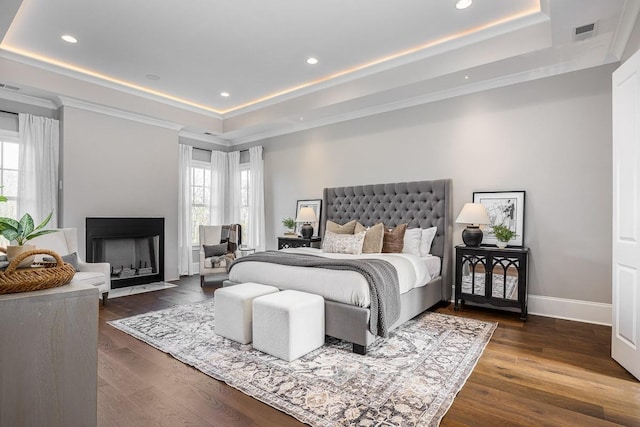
[(14, 251), (501, 244)]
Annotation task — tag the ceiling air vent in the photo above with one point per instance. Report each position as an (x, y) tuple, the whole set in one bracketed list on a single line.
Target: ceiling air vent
[(584, 32), (6, 86)]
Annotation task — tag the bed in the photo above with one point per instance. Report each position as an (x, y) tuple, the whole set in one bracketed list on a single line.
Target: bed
[(420, 204)]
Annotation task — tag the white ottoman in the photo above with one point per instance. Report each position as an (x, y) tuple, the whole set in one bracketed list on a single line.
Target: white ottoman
[(233, 310), (288, 324)]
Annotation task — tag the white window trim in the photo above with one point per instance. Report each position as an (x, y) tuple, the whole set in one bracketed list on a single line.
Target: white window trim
[(204, 165)]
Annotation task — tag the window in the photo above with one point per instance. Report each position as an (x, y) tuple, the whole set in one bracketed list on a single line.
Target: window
[(9, 150), (245, 175), (200, 197)]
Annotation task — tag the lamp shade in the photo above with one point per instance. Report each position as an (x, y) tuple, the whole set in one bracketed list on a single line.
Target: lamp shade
[(473, 213), (306, 214)]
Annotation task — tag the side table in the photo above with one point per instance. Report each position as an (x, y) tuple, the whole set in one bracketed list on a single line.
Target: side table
[(298, 242)]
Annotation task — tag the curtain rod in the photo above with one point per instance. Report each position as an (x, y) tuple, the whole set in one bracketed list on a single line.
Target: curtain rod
[(8, 112), (205, 149)]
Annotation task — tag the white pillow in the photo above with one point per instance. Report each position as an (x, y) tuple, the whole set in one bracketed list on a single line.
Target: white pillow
[(428, 234), (343, 243), (412, 241)]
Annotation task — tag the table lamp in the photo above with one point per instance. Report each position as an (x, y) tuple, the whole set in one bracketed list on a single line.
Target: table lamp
[(474, 215), (306, 215)]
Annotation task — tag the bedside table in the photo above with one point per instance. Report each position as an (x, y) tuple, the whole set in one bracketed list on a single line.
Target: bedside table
[(298, 242), (487, 274)]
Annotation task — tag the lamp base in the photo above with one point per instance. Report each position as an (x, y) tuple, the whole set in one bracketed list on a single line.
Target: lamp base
[(472, 235), (306, 230)]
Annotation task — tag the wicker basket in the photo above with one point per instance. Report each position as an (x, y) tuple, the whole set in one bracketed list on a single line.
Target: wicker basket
[(15, 279)]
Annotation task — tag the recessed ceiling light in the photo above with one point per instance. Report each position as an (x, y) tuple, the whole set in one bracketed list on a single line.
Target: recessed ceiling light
[(463, 4), (312, 61), (69, 39), (466, 77), (225, 94), (152, 76)]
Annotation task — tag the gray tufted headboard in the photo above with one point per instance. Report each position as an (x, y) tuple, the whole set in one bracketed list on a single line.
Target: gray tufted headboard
[(421, 204)]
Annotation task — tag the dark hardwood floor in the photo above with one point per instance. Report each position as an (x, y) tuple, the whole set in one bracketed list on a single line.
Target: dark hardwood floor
[(543, 372)]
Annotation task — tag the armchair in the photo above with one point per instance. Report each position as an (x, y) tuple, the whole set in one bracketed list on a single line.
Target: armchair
[(65, 242), (214, 260)]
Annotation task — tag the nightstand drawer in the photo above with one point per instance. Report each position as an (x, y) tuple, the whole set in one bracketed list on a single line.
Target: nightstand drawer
[(298, 242)]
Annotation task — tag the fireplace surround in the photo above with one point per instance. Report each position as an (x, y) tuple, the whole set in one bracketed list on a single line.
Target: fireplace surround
[(133, 246)]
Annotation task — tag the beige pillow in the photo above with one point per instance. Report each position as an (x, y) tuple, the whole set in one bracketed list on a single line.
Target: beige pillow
[(394, 239), (341, 229), (343, 243), (373, 239)]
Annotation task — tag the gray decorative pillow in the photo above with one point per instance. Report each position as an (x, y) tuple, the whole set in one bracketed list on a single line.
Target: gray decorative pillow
[(69, 259), (373, 239), (343, 243), (214, 250)]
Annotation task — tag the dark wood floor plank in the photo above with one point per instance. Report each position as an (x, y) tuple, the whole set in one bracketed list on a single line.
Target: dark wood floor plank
[(540, 372)]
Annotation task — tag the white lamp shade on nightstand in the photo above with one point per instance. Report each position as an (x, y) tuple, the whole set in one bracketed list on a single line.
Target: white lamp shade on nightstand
[(306, 214), (473, 214)]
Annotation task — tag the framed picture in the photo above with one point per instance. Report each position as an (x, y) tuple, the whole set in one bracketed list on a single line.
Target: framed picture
[(316, 205), (504, 208)]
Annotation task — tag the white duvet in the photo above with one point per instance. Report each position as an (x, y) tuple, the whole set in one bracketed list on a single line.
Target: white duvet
[(346, 287)]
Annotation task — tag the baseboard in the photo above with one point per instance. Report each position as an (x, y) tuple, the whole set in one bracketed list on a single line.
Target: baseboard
[(561, 308), (570, 309)]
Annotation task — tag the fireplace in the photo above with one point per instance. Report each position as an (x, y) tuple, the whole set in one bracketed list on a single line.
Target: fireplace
[(133, 246)]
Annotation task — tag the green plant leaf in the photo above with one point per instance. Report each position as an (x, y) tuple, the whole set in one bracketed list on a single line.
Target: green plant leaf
[(38, 233), (10, 234), (9, 224), (26, 225), (45, 222), (3, 199)]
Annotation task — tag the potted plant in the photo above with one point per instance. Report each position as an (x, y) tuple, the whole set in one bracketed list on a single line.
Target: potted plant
[(21, 232), (503, 234), (290, 225)]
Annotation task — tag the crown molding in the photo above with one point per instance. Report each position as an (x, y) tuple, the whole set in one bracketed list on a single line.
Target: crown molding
[(529, 75), (628, 17), (114, 112), (12, 56), (204, 138), (437, 48), (12, 95)]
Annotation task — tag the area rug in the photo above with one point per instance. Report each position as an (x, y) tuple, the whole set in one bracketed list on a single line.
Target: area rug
[(139, 289), (408, 379)]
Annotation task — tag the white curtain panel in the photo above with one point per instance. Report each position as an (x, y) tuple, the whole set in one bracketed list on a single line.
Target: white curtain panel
[(256, 232), (38, 168), (234, 199), (219, 173), (185, 256)]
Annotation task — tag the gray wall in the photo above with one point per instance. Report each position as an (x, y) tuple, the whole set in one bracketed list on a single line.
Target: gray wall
[(550, 137), (121, 168)]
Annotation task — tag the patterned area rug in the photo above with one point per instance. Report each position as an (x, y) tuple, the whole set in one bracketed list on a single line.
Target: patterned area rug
[(408, 379)]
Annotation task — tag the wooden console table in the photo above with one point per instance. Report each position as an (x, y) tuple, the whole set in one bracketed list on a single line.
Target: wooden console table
[(49, 355)]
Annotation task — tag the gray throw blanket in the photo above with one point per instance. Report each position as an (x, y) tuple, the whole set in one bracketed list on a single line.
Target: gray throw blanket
[(380, 275)]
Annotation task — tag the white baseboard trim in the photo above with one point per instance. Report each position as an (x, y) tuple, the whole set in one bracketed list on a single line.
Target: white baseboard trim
[(570, 309), (561, 308)]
